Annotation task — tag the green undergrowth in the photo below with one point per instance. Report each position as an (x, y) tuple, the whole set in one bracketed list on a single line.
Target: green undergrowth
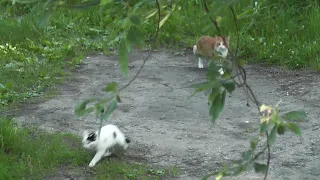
[(35, 55), (27, 153)]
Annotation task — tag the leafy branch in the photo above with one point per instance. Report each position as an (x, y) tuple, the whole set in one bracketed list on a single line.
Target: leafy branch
[(133, 36), (271, 122)]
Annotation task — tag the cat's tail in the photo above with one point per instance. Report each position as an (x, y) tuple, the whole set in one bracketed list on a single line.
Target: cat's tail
[(194, 49)]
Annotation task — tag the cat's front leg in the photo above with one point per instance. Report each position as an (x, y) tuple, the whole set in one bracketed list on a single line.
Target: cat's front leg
[(96, 158), (107, 153), (90, 145), (200, 63)]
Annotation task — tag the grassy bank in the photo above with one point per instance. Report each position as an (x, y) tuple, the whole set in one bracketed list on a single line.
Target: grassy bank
[(27, 152), (33, 58)]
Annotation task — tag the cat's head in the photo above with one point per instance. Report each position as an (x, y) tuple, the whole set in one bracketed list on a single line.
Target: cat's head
[(220, 43), (222, 47), (88, 137)]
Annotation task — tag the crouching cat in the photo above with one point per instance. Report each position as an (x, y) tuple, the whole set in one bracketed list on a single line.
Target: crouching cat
[(209, 47), (110, 136)]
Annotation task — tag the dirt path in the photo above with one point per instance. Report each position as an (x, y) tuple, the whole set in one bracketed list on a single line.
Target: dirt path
[(167, 129)]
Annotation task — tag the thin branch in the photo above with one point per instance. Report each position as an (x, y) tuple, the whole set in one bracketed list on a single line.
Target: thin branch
[(237, 29), (205, 5), (242, 77), (269, 156), (255, 157), (83, 5), (147, 57)]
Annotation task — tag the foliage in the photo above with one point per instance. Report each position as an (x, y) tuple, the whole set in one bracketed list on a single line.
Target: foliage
[(27, 152), (265, 30)]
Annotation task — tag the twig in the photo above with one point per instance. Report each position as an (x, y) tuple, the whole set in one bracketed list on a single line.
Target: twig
[(215, 23), (84, 5), (147, 57), (248, 162), (269, 156), (237, 29), (241, 71)]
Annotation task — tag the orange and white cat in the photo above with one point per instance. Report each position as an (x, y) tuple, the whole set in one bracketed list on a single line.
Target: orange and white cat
[(208, 47)]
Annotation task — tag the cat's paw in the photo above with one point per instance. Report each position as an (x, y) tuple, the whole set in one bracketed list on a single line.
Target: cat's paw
[(91, 164), (194, 49), (200, 66), (221, 71)]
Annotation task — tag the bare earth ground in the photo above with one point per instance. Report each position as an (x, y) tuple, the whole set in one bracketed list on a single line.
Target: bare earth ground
[(166, 129)]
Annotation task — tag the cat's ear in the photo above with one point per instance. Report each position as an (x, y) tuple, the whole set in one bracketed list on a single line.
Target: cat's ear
[(85, 134), (227, 40)]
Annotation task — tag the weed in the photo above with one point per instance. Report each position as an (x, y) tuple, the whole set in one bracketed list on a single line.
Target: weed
[(27, 152), (34, 58)]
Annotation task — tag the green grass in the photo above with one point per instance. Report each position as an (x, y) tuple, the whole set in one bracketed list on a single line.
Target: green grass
[(33, 58), (30, 153)]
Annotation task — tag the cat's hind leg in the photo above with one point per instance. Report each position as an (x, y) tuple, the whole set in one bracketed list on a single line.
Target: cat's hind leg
[(194, 49), (102, 150), (200, 63)]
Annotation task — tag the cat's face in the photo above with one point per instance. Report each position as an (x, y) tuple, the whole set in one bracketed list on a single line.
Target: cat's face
[(221, 45)]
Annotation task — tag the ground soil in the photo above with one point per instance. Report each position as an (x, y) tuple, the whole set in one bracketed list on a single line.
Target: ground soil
[(167, 129)]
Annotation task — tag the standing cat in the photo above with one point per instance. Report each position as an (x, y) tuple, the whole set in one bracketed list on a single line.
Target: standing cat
[(110, 136), (208, 47)]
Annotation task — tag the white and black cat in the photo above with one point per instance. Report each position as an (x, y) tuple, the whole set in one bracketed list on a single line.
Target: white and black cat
[(110, 136)]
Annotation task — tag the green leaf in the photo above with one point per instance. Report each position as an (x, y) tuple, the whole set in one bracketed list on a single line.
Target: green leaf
[(123, 57), (263, 127), (246, 13), (254, 143), (214, 92), (209, 175), (272, 135), (295, 116), (247, 154), (88, 111), (105, 2), (8, 85), (217, 105), (164, 19), (260, 168), (112, 106), (281, 129), (26, 1), (99, 108), (294, 128), (135, 36), (230, 86), (203, 86), (135, 20), (111, 87), (118, 98), (44, 19), (239, 170), (80, 109), (213, 71)]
